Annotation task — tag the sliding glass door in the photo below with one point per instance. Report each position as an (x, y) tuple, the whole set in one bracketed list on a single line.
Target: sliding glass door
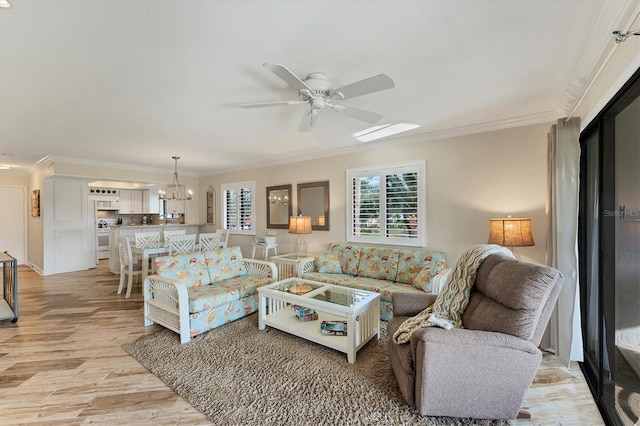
[(627, 261), (609, 253)]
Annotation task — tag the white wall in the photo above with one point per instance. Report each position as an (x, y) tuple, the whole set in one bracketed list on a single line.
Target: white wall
[(470, 179), (36, 224)]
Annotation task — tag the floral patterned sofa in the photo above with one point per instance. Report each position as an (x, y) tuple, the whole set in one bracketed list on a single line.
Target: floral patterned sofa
[(195, 292), (384, 270)]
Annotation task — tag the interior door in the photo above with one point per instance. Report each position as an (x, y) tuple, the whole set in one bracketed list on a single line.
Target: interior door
[(13, 222), (69, 230)]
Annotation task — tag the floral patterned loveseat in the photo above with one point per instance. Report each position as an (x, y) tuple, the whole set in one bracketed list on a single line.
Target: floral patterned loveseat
[(384, 270), (194, 292)]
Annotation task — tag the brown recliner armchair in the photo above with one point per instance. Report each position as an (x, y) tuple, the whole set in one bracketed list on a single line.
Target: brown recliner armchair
[(485, 369)]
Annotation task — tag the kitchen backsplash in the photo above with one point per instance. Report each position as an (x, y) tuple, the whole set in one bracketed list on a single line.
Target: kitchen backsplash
[(112, 216)]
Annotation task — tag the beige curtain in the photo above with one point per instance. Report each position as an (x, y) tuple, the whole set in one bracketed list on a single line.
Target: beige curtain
[(564, 334)]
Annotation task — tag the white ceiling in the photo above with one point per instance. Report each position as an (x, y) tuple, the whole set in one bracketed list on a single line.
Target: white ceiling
[(136, 82)]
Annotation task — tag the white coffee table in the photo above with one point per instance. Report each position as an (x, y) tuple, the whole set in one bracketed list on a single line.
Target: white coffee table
[(359, 308)]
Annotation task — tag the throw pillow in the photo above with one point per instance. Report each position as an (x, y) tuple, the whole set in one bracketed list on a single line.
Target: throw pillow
[(422, 281), (328, 264), (225, 263)]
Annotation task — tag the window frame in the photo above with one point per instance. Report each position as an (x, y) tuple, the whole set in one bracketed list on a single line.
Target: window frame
[(418, 167), (238, 186)]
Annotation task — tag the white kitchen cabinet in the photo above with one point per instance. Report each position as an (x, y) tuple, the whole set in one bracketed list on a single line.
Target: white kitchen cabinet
[(151, 203), (131, 201)]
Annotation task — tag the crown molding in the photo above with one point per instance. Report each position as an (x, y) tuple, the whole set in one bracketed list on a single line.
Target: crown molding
[(85, 162), (488, 126), (598, 49), (410, 137)]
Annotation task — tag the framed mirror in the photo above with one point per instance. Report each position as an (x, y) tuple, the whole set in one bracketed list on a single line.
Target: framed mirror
[(313, 200), (279, 206)]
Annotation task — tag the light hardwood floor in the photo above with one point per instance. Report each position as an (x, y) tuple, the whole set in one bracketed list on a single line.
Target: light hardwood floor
[(63, 362)]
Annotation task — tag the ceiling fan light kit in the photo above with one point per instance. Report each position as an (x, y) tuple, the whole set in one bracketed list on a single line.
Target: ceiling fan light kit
[(317, 91)]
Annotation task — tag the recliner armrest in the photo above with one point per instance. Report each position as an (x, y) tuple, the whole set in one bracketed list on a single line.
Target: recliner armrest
[(410, 304), (472, 340)]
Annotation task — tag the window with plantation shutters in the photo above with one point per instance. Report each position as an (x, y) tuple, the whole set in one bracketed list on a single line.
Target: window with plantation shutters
[(238, 208), (387, 204)]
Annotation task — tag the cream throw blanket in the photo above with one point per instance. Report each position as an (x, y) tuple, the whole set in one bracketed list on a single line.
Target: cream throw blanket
[(446, 312)]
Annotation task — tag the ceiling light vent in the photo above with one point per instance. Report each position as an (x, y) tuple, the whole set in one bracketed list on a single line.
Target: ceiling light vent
[(379, 132)]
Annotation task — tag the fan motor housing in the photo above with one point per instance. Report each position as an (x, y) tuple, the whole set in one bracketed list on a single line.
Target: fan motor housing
[(318, 82)]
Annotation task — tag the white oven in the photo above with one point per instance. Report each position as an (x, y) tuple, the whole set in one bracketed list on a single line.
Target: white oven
[(103, 243)]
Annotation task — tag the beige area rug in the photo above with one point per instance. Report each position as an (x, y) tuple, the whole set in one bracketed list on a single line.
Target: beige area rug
[(239, 375)]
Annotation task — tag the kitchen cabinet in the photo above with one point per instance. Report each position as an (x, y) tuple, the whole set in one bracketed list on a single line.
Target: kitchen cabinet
[(131, 201), (150, 202)]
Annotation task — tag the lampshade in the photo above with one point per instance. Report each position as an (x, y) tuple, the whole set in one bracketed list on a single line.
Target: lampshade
[(320, 220), (510, 232), (300, 225)]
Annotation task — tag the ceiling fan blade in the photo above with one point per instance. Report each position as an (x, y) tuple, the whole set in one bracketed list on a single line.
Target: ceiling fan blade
[(285, 74), (357, 113), (268, 104), (364, 87), (308, 121)]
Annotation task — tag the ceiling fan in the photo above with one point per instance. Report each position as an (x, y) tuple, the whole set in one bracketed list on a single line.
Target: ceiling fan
[(317, 91)]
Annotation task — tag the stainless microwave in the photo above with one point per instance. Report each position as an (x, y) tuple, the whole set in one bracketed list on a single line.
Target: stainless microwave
[(106, 203)]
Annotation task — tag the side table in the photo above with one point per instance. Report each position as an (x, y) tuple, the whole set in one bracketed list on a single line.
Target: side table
[(290, 265)]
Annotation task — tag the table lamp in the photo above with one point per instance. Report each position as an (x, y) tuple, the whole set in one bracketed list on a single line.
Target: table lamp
[(300, 225), (511, 232)]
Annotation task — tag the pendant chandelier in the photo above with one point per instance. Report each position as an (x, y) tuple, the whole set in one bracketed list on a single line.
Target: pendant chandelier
[(175, 191)]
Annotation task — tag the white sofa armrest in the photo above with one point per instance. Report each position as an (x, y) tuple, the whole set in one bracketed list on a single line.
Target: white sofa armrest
[(261, 268), (439, 280), (166, 302), (308, 265)]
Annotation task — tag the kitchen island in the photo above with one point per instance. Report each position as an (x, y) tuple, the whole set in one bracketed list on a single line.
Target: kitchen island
[(130, 230)]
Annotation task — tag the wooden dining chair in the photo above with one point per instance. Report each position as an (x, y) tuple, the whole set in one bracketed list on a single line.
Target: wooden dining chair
[(128, 266), (146, 238), (166, 235), (182, 244), (208, 241)]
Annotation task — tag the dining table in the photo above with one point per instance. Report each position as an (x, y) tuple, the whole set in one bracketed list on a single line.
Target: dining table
[(148, 250)]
